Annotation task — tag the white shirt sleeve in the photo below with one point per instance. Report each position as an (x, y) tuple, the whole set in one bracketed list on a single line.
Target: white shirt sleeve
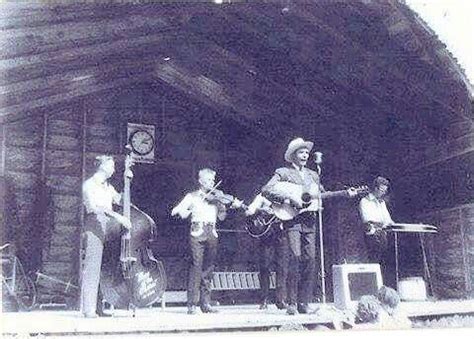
[(374, 211), (387, 218), (88, 197), (183, 209), (364, 209), (116, 196)]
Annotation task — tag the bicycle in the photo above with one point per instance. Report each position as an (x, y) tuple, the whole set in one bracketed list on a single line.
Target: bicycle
[(15, 283)]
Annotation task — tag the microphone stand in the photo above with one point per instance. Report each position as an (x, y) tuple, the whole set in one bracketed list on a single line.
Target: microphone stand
[(321, 241)]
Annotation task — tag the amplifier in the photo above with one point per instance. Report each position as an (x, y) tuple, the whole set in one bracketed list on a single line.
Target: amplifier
[(352, 281)]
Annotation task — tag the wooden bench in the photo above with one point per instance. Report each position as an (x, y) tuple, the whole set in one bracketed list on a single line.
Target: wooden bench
[(223, 281)]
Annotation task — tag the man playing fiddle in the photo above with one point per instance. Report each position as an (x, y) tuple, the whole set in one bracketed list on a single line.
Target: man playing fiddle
[(204, 207)]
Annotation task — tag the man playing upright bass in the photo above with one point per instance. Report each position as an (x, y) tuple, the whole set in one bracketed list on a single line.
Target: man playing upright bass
[(98, 197)]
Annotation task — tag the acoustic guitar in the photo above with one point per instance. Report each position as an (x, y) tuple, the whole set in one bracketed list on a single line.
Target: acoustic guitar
[(263, 224), (310, 199)]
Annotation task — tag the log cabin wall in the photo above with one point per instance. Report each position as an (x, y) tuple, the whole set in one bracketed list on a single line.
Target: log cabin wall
[(442, 186), (226, 86), (64, 143), (450, 254), (43, 173)]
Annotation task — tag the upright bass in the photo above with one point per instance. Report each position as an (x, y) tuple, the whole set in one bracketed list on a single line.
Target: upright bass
[(131, 277)]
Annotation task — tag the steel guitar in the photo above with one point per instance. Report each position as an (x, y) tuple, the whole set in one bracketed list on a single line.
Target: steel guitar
[(419, 229), (411, 228)]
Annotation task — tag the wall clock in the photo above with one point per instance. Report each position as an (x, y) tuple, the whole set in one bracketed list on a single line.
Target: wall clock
[(141, 138)]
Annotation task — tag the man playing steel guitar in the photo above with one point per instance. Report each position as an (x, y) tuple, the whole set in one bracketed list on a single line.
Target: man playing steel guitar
[(375, 216)]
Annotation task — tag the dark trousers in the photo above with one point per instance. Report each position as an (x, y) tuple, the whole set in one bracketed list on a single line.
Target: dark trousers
[(379, 251), (274, 249), (302, 266), (203, 253)]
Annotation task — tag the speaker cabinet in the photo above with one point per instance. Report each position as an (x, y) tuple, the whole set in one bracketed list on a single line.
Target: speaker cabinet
[(352, 281)]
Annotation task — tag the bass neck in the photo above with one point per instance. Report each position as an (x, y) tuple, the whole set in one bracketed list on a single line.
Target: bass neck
[(126, 198), (127, 180)]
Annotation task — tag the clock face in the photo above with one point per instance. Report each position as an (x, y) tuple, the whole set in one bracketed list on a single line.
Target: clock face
[(142, 142)]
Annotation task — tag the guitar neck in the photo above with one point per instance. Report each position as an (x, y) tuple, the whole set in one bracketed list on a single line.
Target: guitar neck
[(325, 195)]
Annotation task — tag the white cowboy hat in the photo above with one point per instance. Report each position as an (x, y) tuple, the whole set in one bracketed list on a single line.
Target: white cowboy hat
[(295, 145)]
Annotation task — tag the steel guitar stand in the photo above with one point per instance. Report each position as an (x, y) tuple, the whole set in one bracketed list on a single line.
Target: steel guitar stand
[(395, 237), (420, 230)]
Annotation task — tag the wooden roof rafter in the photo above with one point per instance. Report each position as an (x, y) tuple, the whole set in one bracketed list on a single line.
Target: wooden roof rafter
[(262, 79), (195, 86), (423, 80), (68, 88)]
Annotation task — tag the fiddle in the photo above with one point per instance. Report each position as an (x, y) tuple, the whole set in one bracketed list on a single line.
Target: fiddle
[(217, 196)]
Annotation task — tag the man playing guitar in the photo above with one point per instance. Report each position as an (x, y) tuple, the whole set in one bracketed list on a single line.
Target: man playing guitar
[(301, 230), (273, 247)]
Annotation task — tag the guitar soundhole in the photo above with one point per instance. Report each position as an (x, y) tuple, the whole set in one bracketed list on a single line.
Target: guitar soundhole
[(306, 197)]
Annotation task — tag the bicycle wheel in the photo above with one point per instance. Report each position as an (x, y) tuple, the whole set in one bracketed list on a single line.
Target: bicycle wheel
[(25, 293), (24, 290), (9, 302)]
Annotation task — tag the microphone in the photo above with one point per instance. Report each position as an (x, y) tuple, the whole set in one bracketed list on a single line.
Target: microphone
[(318, 158)]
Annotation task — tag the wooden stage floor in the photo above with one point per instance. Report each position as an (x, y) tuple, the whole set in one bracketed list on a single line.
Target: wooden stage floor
[(175, 319)]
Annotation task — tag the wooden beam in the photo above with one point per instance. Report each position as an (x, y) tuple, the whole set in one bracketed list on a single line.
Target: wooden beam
[(46, 13), (53, 38), (21, 14), (326, 84), (264, 86), (442, 153), (82, 89), (3, 148), (314, 94), (20, 8), (208, 92), (44, 64), (329, 89), (399, 70), (255, 81), (22, 92)]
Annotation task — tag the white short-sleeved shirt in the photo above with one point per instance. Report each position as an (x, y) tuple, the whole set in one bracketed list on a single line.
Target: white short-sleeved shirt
[(374, 210), (99, 196), (258, 203), (195, 205)]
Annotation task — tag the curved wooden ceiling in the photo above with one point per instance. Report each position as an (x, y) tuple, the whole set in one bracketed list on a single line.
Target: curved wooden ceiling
[(256, 62)]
